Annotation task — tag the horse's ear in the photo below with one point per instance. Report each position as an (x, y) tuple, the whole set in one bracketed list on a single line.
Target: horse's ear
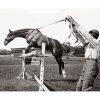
[(10, 31)]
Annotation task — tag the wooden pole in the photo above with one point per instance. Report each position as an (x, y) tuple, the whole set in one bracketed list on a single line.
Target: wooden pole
[(42, 67), (40, 81), (44, 88), (23, 66), (43, 49)]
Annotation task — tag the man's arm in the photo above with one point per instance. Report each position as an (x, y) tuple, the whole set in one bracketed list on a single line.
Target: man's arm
[(97, 48), (81, 32)]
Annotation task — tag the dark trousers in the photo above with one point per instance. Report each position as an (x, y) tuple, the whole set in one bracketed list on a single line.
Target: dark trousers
[(88, 75)]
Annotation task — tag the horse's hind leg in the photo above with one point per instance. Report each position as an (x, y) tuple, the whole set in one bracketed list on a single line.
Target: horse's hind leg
[(63, 72), (61, 66)]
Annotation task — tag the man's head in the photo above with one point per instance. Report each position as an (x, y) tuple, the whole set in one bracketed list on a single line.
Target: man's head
[(94, 33)]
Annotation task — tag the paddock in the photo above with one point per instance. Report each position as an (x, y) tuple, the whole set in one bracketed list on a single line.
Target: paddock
[(10, 68)]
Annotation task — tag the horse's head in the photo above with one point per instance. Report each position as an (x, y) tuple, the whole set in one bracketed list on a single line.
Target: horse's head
[(9, 37), (17, 33)]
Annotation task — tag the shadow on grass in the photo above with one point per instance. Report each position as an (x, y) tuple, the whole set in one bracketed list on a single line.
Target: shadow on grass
[(15, 88), (96, 89), (51, 89), (62, 80)]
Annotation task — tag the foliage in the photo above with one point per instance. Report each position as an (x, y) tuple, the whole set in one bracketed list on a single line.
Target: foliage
[(74, 51), (5, 52), (79, 51)]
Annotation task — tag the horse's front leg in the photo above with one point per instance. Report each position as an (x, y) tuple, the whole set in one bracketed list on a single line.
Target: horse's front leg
[(28, 47)]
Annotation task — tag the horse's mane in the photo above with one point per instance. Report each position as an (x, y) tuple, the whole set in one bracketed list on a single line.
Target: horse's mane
[(23, 30)]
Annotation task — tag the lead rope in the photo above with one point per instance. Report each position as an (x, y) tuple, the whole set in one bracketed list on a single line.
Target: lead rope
[(56, 23), (51, 24)]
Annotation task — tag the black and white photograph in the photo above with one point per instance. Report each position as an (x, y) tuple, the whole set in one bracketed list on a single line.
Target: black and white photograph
[(49, 50)]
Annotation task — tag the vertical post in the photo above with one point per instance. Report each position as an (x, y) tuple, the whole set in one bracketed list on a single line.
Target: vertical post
[(42, 67), (23, 66), (43, 48)]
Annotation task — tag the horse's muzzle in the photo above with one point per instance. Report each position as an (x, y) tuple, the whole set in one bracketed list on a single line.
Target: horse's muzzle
[(5, 42)]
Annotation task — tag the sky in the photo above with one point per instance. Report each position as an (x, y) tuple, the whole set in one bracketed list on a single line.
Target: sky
[(15, 19)]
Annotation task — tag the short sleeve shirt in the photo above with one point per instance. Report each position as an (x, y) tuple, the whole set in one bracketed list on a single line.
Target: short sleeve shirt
[(91, 52)]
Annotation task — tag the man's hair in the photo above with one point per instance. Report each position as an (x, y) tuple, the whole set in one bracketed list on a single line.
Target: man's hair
[(94, 33)]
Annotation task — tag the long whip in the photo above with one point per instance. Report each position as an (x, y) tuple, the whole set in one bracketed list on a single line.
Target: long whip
[(51, 24)]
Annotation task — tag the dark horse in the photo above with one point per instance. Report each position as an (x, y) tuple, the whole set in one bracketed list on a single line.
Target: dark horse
[(35, 38)]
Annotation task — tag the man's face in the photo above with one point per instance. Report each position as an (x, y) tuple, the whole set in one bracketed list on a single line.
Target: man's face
[(91, 34)]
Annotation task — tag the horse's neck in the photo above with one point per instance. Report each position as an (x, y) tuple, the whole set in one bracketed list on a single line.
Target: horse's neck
[(21, 34), (27, 33)]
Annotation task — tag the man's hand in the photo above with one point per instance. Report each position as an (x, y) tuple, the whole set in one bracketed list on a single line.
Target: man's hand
[(65, 19), (68, 18)]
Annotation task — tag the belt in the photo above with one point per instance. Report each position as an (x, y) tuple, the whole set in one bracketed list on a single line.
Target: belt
[(92, 59)]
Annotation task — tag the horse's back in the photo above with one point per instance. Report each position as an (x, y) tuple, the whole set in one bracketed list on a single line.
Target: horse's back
[(51, 44)]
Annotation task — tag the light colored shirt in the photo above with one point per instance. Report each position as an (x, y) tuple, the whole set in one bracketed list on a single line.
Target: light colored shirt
[(91, 52)]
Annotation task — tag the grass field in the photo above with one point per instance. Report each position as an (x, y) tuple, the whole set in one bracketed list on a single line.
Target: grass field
[(10, 68)]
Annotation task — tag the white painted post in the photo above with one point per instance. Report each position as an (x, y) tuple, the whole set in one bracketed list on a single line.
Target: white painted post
[(42, 67), (23, 66), (43, 48), (38, 80), (22, 74)]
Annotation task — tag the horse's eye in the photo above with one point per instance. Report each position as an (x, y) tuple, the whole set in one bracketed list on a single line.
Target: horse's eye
[(9, 34)]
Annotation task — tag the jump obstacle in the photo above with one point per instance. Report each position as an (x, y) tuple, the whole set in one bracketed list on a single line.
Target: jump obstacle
[(25, 75), (40, 81)]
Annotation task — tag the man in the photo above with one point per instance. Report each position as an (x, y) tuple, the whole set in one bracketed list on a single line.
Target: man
[(92, 53), (90, 68)]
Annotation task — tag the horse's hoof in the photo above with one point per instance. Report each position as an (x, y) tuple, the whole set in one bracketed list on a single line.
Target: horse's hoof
[(64, 76), (63, 73)]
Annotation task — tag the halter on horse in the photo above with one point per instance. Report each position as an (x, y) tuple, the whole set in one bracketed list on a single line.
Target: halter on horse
[(34, 39)]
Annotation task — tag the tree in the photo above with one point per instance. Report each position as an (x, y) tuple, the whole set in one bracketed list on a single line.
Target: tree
[(79, 51), (5, 52)]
